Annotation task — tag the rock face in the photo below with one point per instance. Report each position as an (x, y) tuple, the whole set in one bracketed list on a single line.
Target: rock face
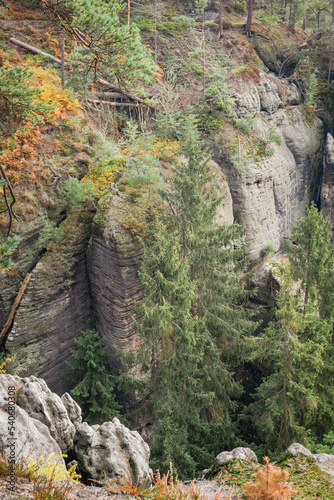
[(327, 186), (269, 193), (46, 423), (111, 448), (54, 309), (113, 262), (41, 404)]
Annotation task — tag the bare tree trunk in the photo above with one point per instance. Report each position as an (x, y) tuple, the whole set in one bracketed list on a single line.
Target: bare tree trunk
[(220, 26), (155, 31), (249, 18), (16, 304), (62, 58), (203, 44), (330, 58)]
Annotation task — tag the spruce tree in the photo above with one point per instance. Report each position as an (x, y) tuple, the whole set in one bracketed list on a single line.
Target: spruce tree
[(294, 402), (94, 389), (191, 319), (187, 382)]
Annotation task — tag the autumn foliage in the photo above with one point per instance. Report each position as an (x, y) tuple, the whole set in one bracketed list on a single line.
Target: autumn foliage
[(270, 484)]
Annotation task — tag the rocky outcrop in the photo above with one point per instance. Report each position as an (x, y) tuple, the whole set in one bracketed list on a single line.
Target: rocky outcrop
[(269, 192), (109, 449), (46, 423), (324, 461), (113, 262), (41, 404), (54, 309), (327, 185), (27, 436)]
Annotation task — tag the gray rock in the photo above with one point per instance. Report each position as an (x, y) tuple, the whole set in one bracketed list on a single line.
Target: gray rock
[(237, 453), (111, 449), (269, 193), (327, 187), (295, 449), (248, 103), (224, 457), (41, 404), (244, 454), (270, 100), (29, 436), (72, 408), (325, 462)]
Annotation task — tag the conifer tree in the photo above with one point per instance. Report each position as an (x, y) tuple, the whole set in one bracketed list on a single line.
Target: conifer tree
[(216, 254), (94, 390), (294, 402), (187, 382)]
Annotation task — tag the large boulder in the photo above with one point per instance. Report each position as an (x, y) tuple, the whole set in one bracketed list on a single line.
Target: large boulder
[(236, 454), (111, 449), (20, 434), (46, 423), (41, 404)]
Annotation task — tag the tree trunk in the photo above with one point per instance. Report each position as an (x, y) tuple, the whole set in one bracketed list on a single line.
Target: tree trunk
[(249, 18), (16, 304), (220, 26), (330, 58), (62, 58), (203, 44), (155, 31)]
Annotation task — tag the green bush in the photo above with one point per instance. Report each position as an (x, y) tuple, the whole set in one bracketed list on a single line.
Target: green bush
[(245, 124), (267, 250)]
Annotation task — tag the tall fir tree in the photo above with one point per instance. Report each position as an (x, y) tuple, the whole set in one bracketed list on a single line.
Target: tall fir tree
[(294, 402), (187, 382), (94, 389)]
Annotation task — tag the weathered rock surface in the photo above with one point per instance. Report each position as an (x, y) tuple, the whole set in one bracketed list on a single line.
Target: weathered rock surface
[(327, 186), (46, 423), (41, 404), (269, 193), (54, 309), (111, 448), (30, 436), (113, 262), (324, 461), (238, 454)]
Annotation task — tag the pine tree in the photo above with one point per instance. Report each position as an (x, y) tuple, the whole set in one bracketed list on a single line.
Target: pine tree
[(191, 319), (94, 390)]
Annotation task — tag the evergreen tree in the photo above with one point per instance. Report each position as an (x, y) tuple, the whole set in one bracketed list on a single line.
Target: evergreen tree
[(311, 257), (94, 390), (191, 319), (107, 46), (295, 401), (187, 382), (216, 254)]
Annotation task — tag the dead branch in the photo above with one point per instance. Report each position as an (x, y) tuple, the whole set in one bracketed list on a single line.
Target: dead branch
[(13, 310), (9, 206), (33, 49), (117, 104)]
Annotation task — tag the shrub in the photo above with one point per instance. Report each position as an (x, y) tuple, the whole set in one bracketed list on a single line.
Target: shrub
[(6, 249), (267, 250), (245, 124), (270, 484)]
